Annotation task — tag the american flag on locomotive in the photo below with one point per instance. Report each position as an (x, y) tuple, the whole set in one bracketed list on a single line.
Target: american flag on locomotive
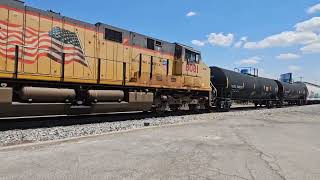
[(35, 44)]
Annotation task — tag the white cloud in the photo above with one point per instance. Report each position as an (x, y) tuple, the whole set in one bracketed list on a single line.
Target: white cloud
[(284, 39), (314, 9), (240, 43), (250, 61), (288, 56), (305, 32), (244, 39), (198, 43), (312, 25), (191, 13), (311, 48), (220, 39), (294, 68)]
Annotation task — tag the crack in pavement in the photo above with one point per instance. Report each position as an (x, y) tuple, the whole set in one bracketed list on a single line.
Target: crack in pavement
[(270, 121), (250, 171), (219, 172), (269, 160)]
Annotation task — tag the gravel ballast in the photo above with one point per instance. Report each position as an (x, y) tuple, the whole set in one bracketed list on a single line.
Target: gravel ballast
[(14, 137)]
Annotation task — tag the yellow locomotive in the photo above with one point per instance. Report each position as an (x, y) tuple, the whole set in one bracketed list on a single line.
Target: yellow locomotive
[(53, 64)]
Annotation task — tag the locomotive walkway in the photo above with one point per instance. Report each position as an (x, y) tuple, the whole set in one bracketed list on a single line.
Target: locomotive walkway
[(272, 144)]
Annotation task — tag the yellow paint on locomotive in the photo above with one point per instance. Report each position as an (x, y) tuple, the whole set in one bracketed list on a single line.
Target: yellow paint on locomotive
[(113, 55)]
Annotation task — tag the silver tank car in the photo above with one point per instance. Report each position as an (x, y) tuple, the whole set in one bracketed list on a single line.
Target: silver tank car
[(313, 93)]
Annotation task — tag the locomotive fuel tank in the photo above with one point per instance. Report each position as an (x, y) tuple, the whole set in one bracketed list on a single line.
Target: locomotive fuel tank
[(106, 95), (242, 87), (46, 95)]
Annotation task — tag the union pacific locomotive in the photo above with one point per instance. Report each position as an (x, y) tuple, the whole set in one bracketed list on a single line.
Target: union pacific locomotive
[(51, 64)]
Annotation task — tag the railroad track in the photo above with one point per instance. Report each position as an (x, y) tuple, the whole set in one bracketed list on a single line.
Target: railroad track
[(55, 121)]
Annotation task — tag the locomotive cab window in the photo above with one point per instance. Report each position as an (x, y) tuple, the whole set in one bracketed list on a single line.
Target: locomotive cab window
[(178, 52), (150, 44), (154, 45), (192, 57), (113, 35), (158, 46)]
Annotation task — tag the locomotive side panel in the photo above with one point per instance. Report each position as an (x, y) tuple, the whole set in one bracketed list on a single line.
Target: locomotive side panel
[(70, 66), (204, 74), (119, 62), (36, 64), (32, 23), (14, 37), (111, 64), (140, 70), (80, 52), (6, 64), (43, 65)]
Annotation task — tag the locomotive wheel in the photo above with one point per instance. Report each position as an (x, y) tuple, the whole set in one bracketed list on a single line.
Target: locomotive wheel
[(279, 104), (174, 107), (227, 109), (269, 104), (193, 108), (223, 106)]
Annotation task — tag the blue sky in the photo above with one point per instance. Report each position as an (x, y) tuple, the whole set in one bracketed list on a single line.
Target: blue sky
[(274, 36)]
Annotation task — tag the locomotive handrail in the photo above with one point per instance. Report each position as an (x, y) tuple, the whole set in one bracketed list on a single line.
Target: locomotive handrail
[(214, 89)]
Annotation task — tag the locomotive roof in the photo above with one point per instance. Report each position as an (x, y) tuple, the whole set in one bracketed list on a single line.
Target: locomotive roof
[(188, 47), (18, 4), (127, 32)]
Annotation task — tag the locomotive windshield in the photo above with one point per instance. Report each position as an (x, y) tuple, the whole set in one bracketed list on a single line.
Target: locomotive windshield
[(192, 57), (185, 53)]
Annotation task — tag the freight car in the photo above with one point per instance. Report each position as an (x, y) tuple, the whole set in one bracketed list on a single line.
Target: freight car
[(51, 64), (292, 93), (231, 85), (313, 93)]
